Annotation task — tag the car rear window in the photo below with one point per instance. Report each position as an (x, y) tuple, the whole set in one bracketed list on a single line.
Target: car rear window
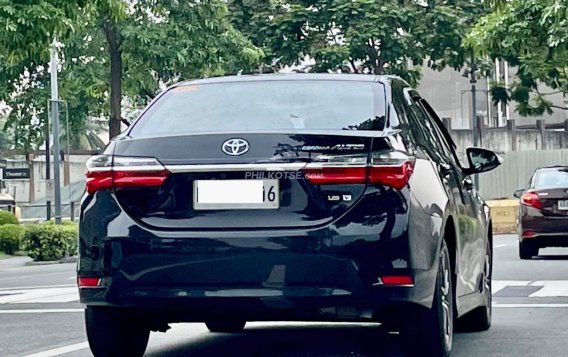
[(552, 178), (266, 105)]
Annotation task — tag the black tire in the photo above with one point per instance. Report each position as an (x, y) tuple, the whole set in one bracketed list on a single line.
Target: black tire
[(115, 332), (429, 332), (226, 326), (480, 319), (527, 250)]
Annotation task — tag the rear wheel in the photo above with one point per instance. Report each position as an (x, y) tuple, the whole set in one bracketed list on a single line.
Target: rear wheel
[(429, 332), (226, 326), (527, 250), (480, 318), (114, 332)]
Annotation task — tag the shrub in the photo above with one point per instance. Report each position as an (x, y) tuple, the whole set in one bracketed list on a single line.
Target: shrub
[(8, 218), (63, 223), (49, 241), (10, 237)]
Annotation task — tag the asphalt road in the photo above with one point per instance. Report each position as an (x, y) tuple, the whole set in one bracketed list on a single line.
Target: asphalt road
[(40, 317)]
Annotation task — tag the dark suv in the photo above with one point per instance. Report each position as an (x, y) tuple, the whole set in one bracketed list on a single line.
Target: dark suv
[(288, 198)]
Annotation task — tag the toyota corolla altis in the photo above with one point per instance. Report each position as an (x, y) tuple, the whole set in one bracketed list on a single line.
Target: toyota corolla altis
[(285, 198)]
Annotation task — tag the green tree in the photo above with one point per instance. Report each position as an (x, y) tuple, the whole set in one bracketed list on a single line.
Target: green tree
[(533, 36), (366, 36), (28, 28), (112, 49)]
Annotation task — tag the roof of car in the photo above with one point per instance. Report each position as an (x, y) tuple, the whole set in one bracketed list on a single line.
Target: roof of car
[(295, 76)]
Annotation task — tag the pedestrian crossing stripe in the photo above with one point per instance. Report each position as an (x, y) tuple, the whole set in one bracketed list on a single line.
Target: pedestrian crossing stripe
[(534, 289), (39, 296)]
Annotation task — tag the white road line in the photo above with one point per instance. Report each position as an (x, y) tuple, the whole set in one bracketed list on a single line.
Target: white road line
[(61, 350), (551, 288), (530, 306), (501, 245), (39, 311), (38, 287), (39, 296)]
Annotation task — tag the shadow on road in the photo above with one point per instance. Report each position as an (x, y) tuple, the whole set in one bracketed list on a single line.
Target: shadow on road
[(340, 340)]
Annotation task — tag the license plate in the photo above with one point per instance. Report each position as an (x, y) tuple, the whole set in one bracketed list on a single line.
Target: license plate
[(236, 194), (563, 205)]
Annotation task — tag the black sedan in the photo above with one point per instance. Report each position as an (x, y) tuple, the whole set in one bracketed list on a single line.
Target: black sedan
[(287, 198)]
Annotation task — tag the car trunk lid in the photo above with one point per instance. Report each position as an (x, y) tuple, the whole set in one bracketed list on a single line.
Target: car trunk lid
[(309, 179)]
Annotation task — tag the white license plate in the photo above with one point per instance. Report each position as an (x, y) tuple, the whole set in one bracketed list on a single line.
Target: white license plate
[(563, 205), (236, 194)]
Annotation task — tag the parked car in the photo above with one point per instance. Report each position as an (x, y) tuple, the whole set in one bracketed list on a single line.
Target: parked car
[(543, 215), (315, 197)]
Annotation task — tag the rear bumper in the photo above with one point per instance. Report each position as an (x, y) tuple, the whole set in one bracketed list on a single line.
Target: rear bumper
[(544, 240), (323, 273), (287, 286), (289, 304), (543, 231)]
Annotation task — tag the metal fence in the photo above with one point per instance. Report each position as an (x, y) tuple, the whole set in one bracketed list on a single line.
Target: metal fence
[(517, 168), (38, 211)]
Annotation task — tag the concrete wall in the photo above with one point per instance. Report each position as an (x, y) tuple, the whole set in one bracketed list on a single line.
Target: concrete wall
[(449, 93), (502, 140)]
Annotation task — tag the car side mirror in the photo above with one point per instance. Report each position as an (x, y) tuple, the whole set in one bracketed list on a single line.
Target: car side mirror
[(518, 193), (481, 160)]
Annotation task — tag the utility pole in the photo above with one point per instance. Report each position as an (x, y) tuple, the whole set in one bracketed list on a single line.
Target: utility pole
[(55, 124), (47, 168), (475, 123)]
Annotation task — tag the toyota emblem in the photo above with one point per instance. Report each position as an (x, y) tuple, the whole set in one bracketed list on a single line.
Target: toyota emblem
[(235, 147)]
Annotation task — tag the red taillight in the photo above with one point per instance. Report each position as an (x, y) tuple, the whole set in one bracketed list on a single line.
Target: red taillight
[(531, 199), (393, 176), (88, 281), (336, 175), (104, 172), (528, 234), (390, 169), (397, 280)]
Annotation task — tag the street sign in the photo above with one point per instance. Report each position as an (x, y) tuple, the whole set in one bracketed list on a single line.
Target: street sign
[(16, 174)]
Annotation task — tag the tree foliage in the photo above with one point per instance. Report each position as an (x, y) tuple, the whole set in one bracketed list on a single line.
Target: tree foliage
[(532, 35), (111, 50), (363, 36)]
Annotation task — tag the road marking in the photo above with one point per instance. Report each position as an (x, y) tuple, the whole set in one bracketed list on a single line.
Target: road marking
[(551, 288), (498, 285), (501, 245), (35, 296), (61, 350), (529, 306), (38, 311), (37, 287)]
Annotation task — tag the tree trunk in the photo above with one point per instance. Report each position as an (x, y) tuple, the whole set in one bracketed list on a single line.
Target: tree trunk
[(115, 55)]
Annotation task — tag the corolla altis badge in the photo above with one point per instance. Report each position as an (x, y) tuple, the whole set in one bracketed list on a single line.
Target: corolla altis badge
[(235, 147), (338, 147)]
